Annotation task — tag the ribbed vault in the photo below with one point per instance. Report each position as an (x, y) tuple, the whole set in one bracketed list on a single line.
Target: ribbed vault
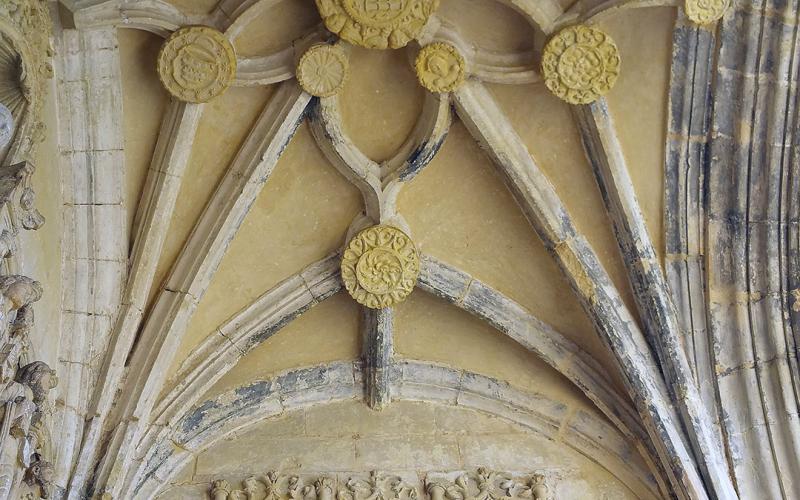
[(622, 269)]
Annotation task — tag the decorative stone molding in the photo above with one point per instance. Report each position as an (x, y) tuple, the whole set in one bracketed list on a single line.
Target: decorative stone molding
[(440, 67), (380, 267), (482, 484), (377, 24), (706, 11), (323, 70), (580, 64), (25, 65), (12, 178), (196, 64)]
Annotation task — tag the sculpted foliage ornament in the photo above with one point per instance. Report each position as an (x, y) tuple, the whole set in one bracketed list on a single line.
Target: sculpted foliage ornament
[(377, 24), (440, 67), (380, 267), (482, 484), (196, 64), (322, 71), (706, 11), (580, 64)]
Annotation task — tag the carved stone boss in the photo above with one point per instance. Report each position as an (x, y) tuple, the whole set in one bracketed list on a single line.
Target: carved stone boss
[(482, 484), (377, 24), (380, 267), (196, 64)]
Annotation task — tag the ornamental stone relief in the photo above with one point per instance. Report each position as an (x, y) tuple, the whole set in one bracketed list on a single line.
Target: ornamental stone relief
[(377, 24), (440, 67), (482, 484), (323, 69), (196, 64), (706, 11), (380, 267), (25, 448), (25, 62), (580, 64)]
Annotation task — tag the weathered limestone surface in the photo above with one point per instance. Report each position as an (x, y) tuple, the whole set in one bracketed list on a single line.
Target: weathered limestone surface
[(709, 405), (731, 213)]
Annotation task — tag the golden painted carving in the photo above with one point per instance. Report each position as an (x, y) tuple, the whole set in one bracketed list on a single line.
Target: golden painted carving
[(580, 64), (196, 64), (440, 67), (376, 24), (380, 267), (706, 11), (322, 70)]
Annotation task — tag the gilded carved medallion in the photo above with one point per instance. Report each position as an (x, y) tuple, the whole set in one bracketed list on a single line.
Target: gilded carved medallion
[(196, 64), (706, 11), (380, 267), (322, 71), (376, 24), (580, 64), (440, 67)]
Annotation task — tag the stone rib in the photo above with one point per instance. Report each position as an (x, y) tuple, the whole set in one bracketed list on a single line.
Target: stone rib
[(245, 331), (600, 299), (650, 289), (377, 326), (193, 270), (411, 381)]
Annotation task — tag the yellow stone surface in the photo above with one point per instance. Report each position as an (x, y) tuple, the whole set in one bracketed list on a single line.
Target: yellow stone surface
[(381, 102)]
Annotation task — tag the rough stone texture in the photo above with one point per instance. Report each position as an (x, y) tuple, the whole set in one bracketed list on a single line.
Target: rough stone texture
[(731, 177), (94, 262)]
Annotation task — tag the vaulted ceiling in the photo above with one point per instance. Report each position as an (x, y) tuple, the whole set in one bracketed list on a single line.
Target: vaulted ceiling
[(202, 243)]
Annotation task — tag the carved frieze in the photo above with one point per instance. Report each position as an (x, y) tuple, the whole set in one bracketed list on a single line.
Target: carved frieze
[(380, 267), (706, 11), (323, 69), (580, 64), (482, 484), (440, 67), (377, 24), (196, 64)]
